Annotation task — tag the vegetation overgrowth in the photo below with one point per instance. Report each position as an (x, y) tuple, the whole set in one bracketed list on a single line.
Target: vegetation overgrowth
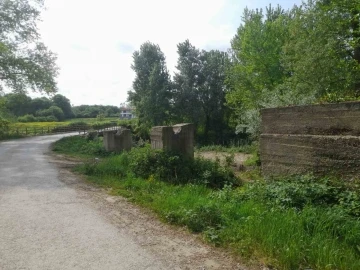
[(10, 130), (246, 148), (299, 222)]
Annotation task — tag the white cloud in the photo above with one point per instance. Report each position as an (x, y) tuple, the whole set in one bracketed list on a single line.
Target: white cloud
[(94, 40)]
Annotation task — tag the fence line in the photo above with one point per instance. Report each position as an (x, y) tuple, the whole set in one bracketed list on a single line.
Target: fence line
[(33, 131)]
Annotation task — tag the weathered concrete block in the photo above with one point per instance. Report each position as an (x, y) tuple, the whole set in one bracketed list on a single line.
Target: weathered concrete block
[(178, 138), (117, 140), (320, 139), (183, 139), (324, 119), (298, 154), (161, 137)]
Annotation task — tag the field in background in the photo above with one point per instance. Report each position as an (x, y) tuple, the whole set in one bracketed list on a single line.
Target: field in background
[(18, 130), (57, 124)]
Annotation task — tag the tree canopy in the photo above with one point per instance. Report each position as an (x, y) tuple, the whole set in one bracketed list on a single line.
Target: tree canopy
[(25, 62), (152, 86), (304, 55)]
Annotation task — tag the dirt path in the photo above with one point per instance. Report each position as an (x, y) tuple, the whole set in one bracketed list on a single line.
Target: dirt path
[(52, 219)]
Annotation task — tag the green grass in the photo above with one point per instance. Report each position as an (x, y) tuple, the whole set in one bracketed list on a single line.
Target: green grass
[(315, 237), (18, 129), (293, 223), (80, 146)]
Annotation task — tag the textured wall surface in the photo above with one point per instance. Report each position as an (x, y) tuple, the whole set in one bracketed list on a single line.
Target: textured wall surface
[(178, 138), (117, 140), (321, 139)]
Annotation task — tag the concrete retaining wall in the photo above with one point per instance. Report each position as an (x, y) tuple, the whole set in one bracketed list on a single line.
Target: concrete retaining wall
[(321, 139)]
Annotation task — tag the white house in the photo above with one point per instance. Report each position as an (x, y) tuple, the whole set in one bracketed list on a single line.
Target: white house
[(126, 112)]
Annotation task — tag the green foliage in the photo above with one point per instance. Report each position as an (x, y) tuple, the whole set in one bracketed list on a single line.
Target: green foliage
[(295, 223), (199, 90), (18, 103), (146, 163), (4, 127), (54, 111), (100, 117), (27, 118), (25, 62), (246, 148), (313, 237), (77, 145), (173, 168), (305, 55), (299, 191), (63, 103), (79, 125), (151, 88), (92, 111)]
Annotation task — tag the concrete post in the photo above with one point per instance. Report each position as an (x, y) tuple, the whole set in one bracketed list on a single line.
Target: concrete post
[(178, 138)]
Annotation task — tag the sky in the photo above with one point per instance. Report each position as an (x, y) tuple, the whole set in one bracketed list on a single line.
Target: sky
[(95, 40)]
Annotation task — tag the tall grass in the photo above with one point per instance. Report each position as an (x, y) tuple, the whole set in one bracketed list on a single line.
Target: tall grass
[(295, 223)]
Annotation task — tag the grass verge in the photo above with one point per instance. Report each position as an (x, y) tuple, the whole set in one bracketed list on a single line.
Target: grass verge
[(294, 223)]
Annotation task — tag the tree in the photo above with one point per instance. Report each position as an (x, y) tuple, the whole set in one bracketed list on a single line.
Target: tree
[(39, 104), (52, 111), (17, 103), (25, 62), (152, 86), (256, 57), (186, 83), (199, 88), (321, 52), (305, 55), (64, 104), (212, 91)]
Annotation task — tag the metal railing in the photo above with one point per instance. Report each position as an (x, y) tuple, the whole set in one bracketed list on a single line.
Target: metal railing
[(34, 131)]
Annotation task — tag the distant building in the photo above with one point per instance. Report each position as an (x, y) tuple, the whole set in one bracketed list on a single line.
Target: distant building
[(126, 112)]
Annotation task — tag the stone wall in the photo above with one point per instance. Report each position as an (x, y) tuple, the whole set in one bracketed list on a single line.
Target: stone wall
[(321, 139), (178, 138)]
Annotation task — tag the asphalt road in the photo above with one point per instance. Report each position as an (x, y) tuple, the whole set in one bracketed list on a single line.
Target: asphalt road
[(45, 225)]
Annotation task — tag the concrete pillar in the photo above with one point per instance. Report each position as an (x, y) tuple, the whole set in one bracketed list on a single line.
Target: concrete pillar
[(117, 140), (183, 139), (178, 138)]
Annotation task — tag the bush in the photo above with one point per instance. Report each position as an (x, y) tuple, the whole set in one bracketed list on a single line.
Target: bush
[(51, 118), (4, 127), (80, 145), (174, 168), (53, 111), (27, 118), (102, 125), (79, 125), (299, 191)]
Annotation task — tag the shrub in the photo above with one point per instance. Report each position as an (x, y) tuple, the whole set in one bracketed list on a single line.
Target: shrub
[(80, 145), (27, 118), (4, 127), (102, 125), (299, 191), (79, 125), (174, 168)]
